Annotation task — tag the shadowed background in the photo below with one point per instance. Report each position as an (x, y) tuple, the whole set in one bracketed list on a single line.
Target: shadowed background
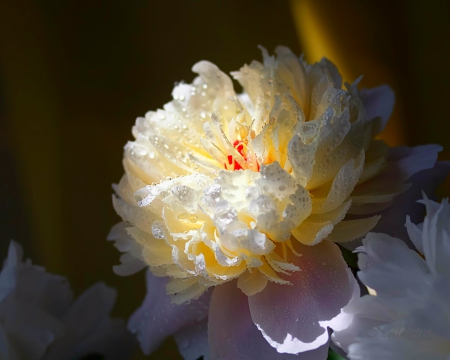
[(74, 75)]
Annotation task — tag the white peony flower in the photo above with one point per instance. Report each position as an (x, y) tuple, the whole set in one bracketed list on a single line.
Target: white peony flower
[(40, 320), (408, 314), (221, 186)]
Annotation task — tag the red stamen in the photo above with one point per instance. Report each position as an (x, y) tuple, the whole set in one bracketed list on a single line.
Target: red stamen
[(239, 146)]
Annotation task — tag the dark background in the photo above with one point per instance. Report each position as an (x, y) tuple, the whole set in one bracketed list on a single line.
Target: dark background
[(74, 75)]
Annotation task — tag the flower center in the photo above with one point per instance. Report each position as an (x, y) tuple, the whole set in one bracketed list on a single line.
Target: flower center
[(241, 148)]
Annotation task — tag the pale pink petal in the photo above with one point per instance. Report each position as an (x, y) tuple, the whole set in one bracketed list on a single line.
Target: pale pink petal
[(379, 102), (410, 161), (393, 219), (402, 163), (233, 335), (295, 318), (157, 318)]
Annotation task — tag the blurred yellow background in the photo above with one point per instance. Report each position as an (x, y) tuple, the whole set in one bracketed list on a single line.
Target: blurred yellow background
[(74, 75)]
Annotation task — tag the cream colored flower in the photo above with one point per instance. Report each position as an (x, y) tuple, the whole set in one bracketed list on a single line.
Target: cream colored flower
[(221, 186), (302, 144)]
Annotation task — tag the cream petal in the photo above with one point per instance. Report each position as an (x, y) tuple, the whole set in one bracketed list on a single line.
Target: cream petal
[(317, 227), (252, 282), (302, 158), (348, 230), (328, 199)]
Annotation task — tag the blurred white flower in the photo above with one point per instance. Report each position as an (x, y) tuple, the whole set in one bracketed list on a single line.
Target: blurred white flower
[(221, 186), (40, 320), (408, 315)]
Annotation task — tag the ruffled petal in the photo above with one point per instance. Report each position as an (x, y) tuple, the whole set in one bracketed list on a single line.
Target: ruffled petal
[(233, 335), (157, 318), (294, 319)]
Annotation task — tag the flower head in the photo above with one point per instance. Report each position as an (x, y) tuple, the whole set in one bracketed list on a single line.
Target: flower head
[(407, 315), (40, 320), (221, 186)]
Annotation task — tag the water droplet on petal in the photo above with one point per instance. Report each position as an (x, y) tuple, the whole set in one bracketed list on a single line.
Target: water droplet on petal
[(182, 216)]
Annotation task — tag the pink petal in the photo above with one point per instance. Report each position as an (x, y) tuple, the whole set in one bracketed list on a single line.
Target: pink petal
[(233, 335), (393, 219), (295, 318), (379, 102), (402, 163), (157, 318)]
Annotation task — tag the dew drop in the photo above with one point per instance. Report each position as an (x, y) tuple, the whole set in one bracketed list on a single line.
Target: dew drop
[(182, 216), (140, 151), (193, 219), (158, 230)]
